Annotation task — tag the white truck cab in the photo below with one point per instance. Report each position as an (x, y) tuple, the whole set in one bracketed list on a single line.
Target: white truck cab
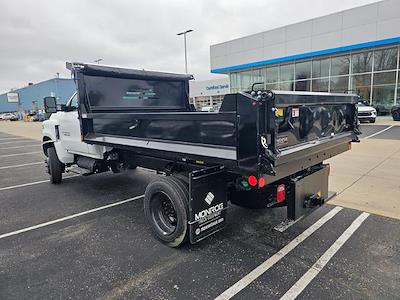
[(62, 133)]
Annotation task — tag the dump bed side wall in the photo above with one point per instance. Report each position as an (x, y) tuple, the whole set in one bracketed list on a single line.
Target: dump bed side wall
[(127, 110), (190, 127)]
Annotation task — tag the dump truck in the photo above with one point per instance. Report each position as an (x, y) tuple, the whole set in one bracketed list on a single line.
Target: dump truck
[(261, 149)]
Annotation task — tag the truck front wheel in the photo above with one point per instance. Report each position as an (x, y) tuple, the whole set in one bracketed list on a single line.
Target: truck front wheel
[(54, 165), (166, 210)]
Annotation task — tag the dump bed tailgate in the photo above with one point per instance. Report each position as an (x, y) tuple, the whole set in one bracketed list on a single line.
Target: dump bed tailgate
[(302, 129)]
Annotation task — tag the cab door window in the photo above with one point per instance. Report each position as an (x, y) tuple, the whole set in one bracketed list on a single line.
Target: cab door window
[(73, 103)]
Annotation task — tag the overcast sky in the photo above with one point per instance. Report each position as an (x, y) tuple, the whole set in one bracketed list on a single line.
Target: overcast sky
[(38, 37)]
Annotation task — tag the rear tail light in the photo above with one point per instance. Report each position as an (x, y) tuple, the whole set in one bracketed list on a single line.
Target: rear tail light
[(261, 182), (252, 180), (280, 193)]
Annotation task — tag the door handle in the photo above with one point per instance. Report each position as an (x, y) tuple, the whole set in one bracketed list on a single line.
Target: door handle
[(134, 125)]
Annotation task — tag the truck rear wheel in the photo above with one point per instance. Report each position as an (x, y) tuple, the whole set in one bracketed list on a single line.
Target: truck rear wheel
[(166, 210), (54, 165)]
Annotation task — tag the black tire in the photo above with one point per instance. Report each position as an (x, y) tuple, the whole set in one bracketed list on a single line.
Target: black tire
[(167, 211), (55, 166), (183, 178), (132, 167), (372, 121), (396, 115)]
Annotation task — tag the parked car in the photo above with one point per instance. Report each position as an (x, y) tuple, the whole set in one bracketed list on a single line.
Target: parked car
[(396, 113), (10, 117), (382, 109), (366, 113)]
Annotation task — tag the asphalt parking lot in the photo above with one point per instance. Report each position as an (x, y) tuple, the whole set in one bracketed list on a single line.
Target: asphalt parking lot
[(87, 238)]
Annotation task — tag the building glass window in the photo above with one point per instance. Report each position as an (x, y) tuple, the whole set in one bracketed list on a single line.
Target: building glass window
[(286, 86), (340, 65), (303, 85), (320, 68), (383, 91), (272, 74), (385, 78), (258, 77), (235, 84), (383, 97), (320, 85), (287, 72), (303, 70), (361, 62), (369, 73), (398, 94), (339, 84), (272, 86), (385, 59), (398, 88), (245, 81), (361, 85)]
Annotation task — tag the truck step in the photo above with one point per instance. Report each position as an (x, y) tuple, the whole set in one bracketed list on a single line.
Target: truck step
[(78, 170)]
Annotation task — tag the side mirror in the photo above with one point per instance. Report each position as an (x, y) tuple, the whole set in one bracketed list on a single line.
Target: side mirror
[(50, 104)]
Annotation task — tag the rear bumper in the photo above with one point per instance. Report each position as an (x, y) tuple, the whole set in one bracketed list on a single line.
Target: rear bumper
[(301, 157)]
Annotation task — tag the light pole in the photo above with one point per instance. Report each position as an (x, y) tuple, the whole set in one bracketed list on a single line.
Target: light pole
[(98, 60), (184, 40)]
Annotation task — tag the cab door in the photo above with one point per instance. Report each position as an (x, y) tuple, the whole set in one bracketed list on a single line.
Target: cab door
[(70, 129)]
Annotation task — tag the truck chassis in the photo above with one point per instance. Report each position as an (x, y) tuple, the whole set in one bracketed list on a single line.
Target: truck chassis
[(262, 149)]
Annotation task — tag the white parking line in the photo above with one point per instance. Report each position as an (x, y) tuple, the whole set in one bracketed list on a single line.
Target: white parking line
[(379, 132), (15, 147), (261, 269), (18, 154), (21, 165), (30, 183), (13, 142), (302, 283), (2, 236), (11, 138)]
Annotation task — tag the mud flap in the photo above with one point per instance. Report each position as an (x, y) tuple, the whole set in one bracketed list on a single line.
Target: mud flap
[(207, 202), (308, 193)]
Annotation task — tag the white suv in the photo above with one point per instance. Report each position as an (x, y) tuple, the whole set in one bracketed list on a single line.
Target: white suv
[(366, 113)]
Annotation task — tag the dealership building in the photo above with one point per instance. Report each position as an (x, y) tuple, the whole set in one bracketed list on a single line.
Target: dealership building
[(208, 93), (355, 50)]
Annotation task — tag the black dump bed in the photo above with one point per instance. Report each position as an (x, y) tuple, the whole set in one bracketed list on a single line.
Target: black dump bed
[(273, 133)]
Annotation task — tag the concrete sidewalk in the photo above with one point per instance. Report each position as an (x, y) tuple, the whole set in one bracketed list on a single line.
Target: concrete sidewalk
[(367, 178), (31, 130), (384, 120)]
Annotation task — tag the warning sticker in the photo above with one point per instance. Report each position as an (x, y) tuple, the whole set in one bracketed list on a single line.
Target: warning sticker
[(295, 112), (279, 112)]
